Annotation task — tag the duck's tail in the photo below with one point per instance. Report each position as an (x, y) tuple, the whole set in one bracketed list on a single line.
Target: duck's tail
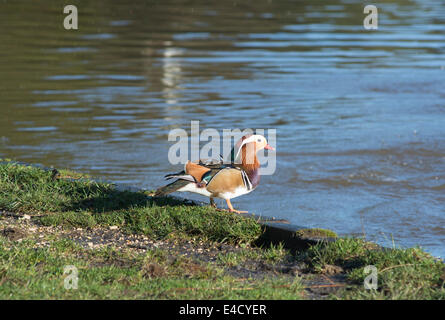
[(183, 179)]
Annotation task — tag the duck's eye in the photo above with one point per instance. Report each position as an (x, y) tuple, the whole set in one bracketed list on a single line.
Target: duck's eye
[(259, 140)]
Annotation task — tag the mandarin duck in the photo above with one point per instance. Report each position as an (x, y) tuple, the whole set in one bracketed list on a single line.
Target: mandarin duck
[(219, 180)]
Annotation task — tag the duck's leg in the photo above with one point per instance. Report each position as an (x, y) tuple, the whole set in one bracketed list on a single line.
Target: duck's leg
[(212, 203), (229, 204)]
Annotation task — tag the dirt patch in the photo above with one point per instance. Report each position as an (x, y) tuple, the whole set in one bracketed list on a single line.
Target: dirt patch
[(12, 234), (153, 270), (331, 269)]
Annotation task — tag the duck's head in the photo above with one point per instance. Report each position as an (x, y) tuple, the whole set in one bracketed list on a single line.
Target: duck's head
[(247, 147), (259, 142)]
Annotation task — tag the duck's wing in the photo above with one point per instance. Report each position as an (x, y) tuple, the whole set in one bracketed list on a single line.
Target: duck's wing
[(228, 177), (229, 180), (195, 170), (206, 171)]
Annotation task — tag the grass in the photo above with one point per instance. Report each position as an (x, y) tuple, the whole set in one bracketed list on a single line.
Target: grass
[(401, 273), (86, 204), (271, 255), (34, 269), (27, 272), (66, 199)]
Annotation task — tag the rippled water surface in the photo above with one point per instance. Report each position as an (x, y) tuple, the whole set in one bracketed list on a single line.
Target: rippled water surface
[(360, 115)]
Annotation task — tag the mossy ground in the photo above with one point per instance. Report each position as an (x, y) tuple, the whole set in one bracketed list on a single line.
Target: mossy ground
[(316, 233), (127, 245)]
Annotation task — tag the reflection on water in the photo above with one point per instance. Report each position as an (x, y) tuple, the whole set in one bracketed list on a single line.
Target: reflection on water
[(359, 114)]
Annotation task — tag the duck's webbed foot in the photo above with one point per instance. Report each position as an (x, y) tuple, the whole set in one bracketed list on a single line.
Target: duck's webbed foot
[(229, 204)]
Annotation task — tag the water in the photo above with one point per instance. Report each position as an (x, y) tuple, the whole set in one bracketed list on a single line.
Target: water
[(359, 114)]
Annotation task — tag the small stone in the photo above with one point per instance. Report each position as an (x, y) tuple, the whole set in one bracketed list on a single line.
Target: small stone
[(27, 217), (331, 269), (90, 244), (114, 227)]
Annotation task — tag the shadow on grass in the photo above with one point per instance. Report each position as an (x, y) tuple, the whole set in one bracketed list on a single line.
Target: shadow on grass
[(101, 198), (117, 200)]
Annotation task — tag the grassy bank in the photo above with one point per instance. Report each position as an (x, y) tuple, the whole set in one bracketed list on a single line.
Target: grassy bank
[(59, 199), (128, 245)]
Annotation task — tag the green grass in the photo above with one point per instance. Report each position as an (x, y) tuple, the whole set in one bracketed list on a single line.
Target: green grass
[(401, 273), (271, 255), (71, 200), (27, 272), (86, 204), (67, 199)]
